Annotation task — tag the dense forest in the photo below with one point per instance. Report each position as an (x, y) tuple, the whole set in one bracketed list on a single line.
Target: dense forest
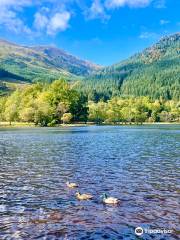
[(59, 102), (155, 72)]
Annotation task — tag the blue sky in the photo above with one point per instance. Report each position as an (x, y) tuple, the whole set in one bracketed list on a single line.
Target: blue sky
[(102, 31)]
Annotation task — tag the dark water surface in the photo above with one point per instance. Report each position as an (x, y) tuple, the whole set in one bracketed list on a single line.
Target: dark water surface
[(139, 165)]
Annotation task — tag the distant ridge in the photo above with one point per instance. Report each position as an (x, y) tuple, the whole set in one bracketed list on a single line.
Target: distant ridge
[(42, 63)]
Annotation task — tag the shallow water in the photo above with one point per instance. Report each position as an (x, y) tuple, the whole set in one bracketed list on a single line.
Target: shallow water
[(138, 165)]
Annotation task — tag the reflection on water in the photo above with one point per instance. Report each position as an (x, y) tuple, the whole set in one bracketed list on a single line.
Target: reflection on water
[(139, 165)]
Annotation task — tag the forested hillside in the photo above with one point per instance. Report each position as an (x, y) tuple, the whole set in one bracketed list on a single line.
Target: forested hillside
[(155, 72)]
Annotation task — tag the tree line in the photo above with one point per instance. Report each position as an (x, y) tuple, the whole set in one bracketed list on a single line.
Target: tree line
[(60, 102), (45, 104), (134, 110)]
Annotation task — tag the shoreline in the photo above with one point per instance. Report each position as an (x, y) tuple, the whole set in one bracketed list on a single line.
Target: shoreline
[(32, 125)]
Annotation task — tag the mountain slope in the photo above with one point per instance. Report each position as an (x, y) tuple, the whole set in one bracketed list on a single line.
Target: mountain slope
[(155, 72), (41, 63), (70, 63)]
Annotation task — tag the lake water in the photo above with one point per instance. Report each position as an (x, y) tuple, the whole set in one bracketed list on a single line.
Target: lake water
[(140, 165)]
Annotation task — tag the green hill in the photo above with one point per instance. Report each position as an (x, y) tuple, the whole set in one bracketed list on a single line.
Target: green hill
[(155, 72), (41, 63)]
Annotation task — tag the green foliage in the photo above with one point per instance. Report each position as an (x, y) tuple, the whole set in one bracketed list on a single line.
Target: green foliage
[(59, 102), (45, 105), (155, 73), (134, 110)]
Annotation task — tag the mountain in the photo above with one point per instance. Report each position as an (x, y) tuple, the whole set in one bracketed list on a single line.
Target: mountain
[(61, 59), (154, 72), (40, 63)]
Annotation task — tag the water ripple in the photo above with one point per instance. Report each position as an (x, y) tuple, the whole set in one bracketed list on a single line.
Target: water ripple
[(139, 165)]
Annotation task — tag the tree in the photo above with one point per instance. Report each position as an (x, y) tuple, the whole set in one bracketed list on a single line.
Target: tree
[(43, 110), (2, 108), (11, 112), (97, 112), (66, 118), (61, 109), (27, 114), (79, 109)]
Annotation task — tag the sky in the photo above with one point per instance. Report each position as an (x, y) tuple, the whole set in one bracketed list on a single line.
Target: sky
[(101, 31)]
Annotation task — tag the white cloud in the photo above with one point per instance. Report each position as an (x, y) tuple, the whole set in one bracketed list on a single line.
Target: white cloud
[(53, 16), (160, 4), (15, 3), (164, 22), (40, 21), (96, 11), (148, 35), (59, 22), (49, 20), (9, 18), (130, 3)]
